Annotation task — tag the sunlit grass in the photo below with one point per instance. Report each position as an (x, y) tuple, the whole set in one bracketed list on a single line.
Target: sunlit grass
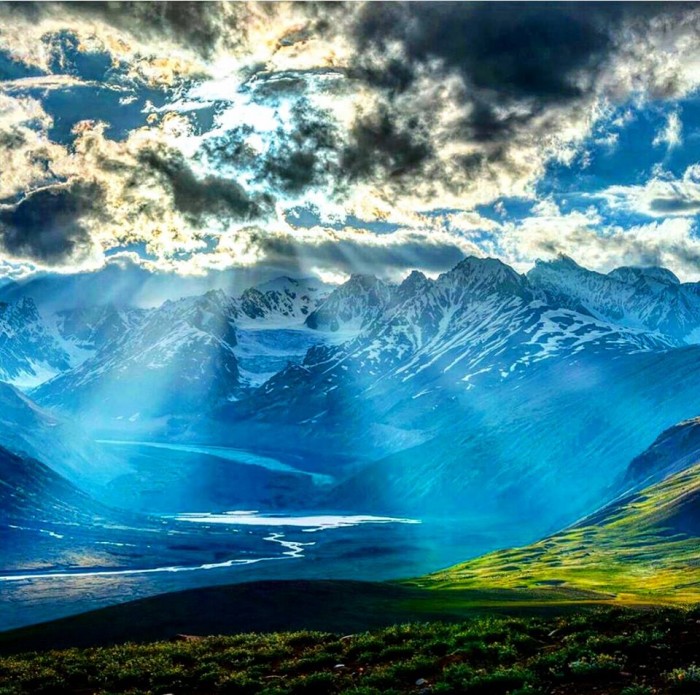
[(637, 551)]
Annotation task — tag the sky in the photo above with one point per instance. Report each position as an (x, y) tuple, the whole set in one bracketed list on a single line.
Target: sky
[(200, 139)]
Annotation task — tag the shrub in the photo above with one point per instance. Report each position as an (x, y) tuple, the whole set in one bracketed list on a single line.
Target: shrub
[(684, 679)]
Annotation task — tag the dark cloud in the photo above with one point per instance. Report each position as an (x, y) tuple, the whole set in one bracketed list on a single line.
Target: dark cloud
[(381, 145), (304, 155), (513, 61), (47, 225), (674, 206), (202, 27), (193, 24), (301, 155), (353, 255), (514, 49), (198, 198), (311, 152)]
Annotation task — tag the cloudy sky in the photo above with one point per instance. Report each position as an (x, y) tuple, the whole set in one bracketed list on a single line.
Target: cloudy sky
[(330, 138)]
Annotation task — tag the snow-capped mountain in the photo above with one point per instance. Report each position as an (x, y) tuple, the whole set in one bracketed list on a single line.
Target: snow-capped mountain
[(177, 357), (352, 306), (650, 298), (88, 329), (29, 352), (479, 321), (139, 364), (451, 378), (284, 300), (36, 346)]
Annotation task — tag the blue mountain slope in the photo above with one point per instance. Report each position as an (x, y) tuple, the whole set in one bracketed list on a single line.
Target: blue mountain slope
[(477, 394)]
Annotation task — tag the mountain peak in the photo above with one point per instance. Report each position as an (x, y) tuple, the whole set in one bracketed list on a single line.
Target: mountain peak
[(353, 305), (560, 262), (485, 273), (414, 279), (631, 274), (414, 283), (363, 280), (286, 283)]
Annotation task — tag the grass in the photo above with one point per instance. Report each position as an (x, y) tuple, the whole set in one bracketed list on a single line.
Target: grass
[(643, 549), (616, 651)]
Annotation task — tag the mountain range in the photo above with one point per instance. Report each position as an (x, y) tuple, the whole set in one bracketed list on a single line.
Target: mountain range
[(480, 393)]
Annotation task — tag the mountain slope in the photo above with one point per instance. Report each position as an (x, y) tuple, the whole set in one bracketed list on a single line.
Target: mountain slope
[(352, 306), (283, 300), (472, 395), (29, 353), (47, 523), (672, 451), (91, 328), (180, 356), (479, 323), (650, 298), (28, 430), (31, 492), (642, 547)]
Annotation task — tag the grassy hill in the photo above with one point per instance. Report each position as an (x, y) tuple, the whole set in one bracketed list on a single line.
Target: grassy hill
[(643, 548), (606, 652)]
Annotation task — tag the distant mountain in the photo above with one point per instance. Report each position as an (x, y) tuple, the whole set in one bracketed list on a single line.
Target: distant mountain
[(475, 393), (29, 352), (280, 302), (36, 346), (641, 548), (123, 282), (91, 328), (478, 323), (649, 298), (29, 431), (352, 306), (178, 357), (182, 356)]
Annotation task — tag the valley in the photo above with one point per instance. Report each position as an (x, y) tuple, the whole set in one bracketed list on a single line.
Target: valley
[(373, 430)]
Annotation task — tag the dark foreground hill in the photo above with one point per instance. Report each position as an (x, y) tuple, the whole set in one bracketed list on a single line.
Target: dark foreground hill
[(611, 652), (265, 606)]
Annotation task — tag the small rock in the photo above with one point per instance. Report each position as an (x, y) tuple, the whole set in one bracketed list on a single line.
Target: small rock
[(186, 638)]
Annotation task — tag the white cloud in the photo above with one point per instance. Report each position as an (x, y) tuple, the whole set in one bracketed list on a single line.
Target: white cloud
[(661, 196), (671, 243), (653, 58), (671, 134), (26, 150)]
